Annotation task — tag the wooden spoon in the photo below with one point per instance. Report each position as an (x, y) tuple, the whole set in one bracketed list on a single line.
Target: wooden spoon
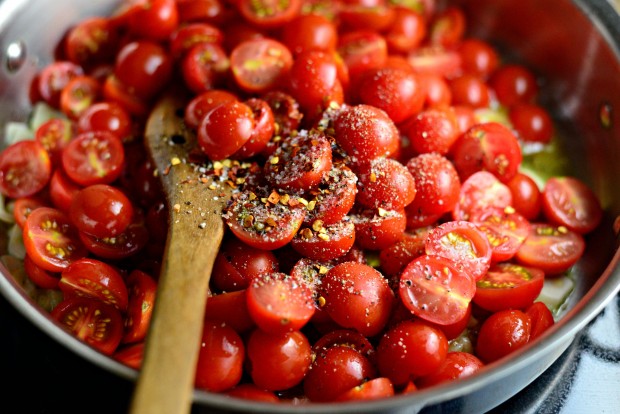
[(195, 232)]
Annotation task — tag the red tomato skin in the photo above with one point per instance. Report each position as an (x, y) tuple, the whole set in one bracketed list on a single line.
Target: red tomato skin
[(489, 146), (374, 389), (39, 276), (437, 184), (501, 334), (478, 57), (220, 359), (225, 129), (101, 210), (25, 168), (251, 392), (142, 290), (526, 196), (94, 278), (532, 122), (378, 229), (130, 355), (328, 243), (336, 371), (432, 130), (457, 365), (144, 67), (385, 183), (409, 350), (508, 286), (278, 362), (310, 32), (569, 202), (155, 19), (231, 309), (267, 15), (108, 116), (94, 322), (513, 84), (542, 319)]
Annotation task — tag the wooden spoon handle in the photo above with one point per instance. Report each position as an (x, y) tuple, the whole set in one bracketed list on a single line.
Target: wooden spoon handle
[(195, 232)]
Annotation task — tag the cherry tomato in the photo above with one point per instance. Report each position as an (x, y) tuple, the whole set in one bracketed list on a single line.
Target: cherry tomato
[(470, 90), (464, 244), (144, 67), (24, 206), (267, 226), (341, 292), (335, 371), (385, 183), (551, 248), (513, 84), (188, 35), (488, 146), (91, 41), (346, 337), (101, 211), (531, 122), (503, 333), (508, 286), (411, 349), (106, 116), (569, 202), (325, 241), (432, 130), (204, 67), (51, 240), (203, 103), (130, 355), (259, 64), (378, 229), (142, 290), (478, 57), (231, 309), (220, 359), (310, 32), (125, 244), (248, 391), (237, 264), (154, 19), (334, 197), (526, 197), (62, 190), (407, 30), (396, 91), (115, 91), (457, 365), (210, 11), (479, 192), (95, 157), (436, 60), (505, 229), (39, 276), (54, 135), (362, 50), (225, 129), (435, 290), (278, 362), (98, 324), (79, 93), (54, 77), (269, 14), (395, 257), (369, 390), (448, 27), (542, 319), (25, 168), (366, 133), (94, 279), (437, 184), (279, 303), (300, 163)]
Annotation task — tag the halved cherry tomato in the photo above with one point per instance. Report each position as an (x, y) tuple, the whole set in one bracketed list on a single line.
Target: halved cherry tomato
[(279, 303), (505, 228), (126, 244), (435, 290), (54, 77), (91, 41), (24, 206), (130, 355), (39, 276), (376, 229), (479, 192), (94, 279), (542, 319), (435, 59), (265, 225), (269, 14), (62, 190), (448, 27), (204, 67), (188, 35), (258, 65), (362, 50), (142, 290), (79, 93), (395, 257), (508, 286), (93, 321), (569, 202), (553, 249), (334, 197), (54, 135), (94, 158), (346, 337), (51, 240), (325, 241), (464, 244), (25, 168)]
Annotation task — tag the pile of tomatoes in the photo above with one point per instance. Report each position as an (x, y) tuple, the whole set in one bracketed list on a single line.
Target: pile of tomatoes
[(376, 222)]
